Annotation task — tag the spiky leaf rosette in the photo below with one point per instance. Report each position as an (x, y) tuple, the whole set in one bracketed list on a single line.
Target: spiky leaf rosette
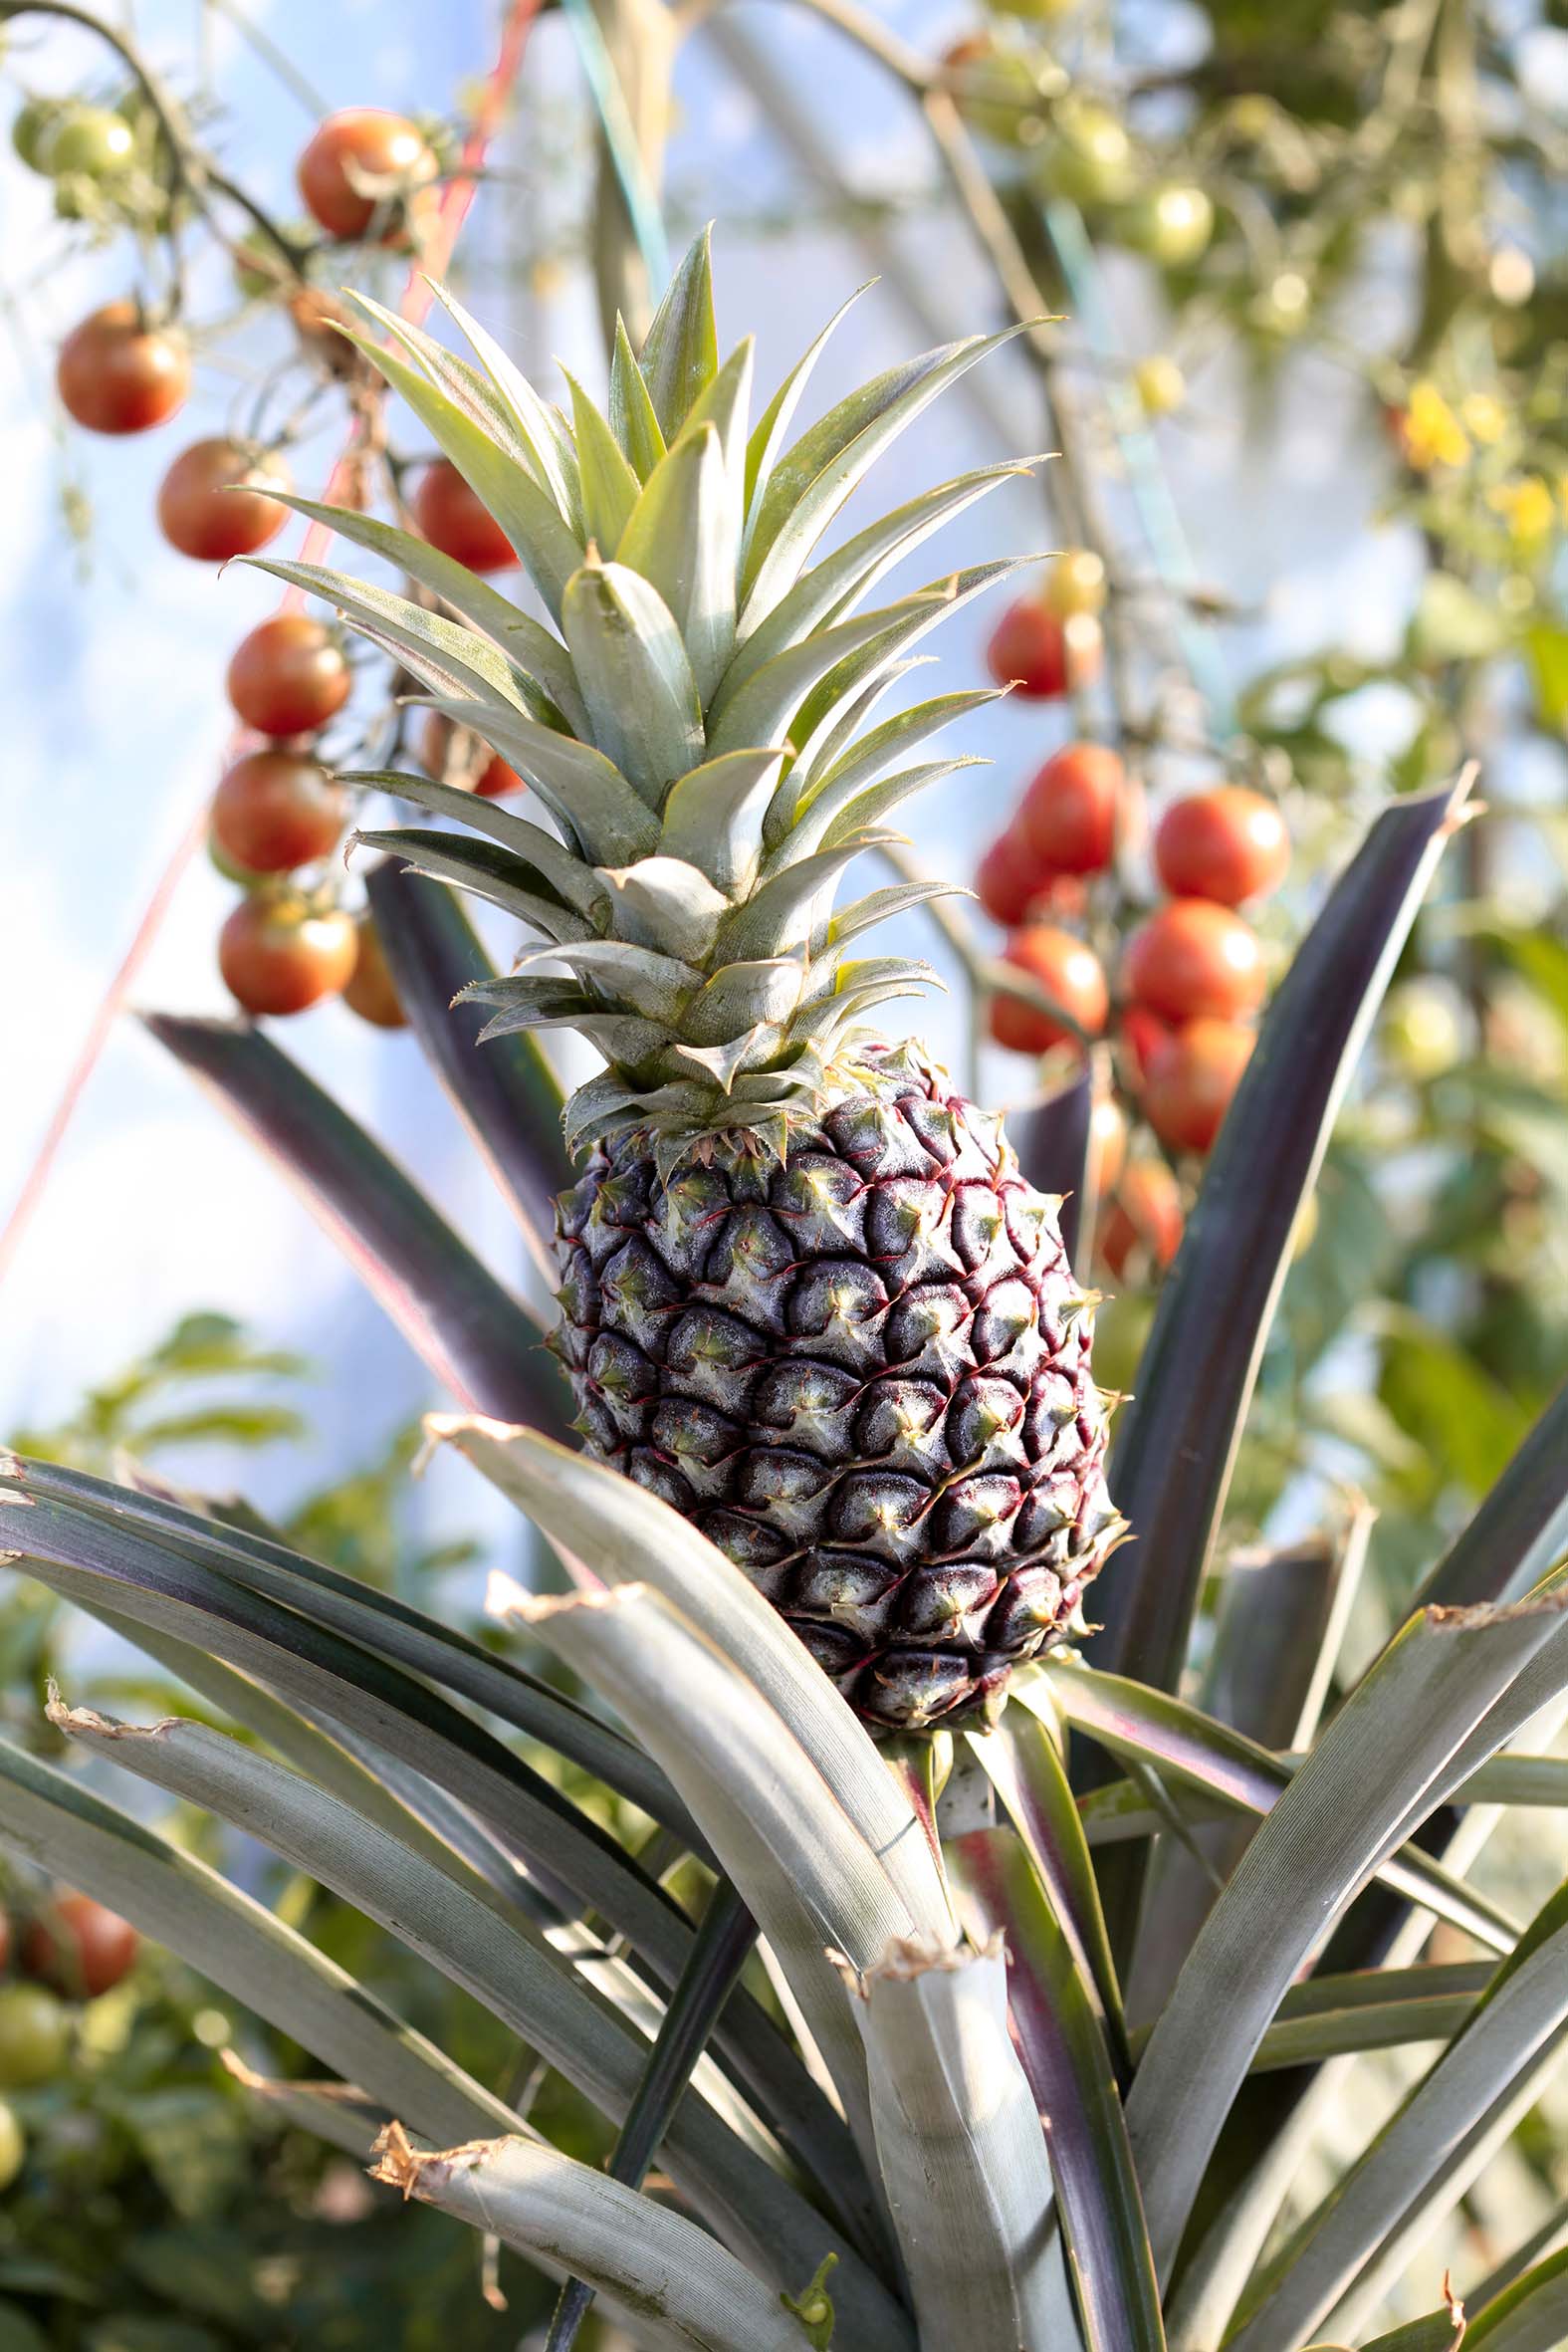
[(697, 726)]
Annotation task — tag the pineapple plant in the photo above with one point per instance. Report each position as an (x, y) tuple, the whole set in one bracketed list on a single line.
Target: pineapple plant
[(921, 2061)]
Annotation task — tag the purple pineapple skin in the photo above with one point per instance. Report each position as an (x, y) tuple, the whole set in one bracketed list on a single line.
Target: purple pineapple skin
[(863, 1373)]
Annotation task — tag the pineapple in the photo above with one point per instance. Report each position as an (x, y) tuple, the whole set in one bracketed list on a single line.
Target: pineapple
[(806, 1295)]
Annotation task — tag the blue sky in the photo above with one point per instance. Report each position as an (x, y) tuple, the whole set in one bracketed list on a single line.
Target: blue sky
[(113, 676)]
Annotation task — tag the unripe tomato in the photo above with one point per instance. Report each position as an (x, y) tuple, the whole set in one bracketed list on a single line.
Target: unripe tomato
[(1193, 958), (369, 990), (455, 756), (273, 811), (455, 520), (279, 957), (1089, 159), (1075, 583), (213, 502), (80, 1947), (34, 2035), (92, 140), (1191, 1082), (1068, 971), (116, 375), (31, 126), (1067, 815), (1142, 1220), (1228, 844), (1008, 877), (1160, 384), (1003, 104), (1172, 225), (289, 676), (13, 2145), (1420, 1033), (1107, 1154), (259, 268), (360, 144)]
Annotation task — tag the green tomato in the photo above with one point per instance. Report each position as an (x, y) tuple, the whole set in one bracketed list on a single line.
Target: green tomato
[(1003, 105), (1088, 157), (34, 2035), (1170, 224), (1121, 1326), (30, 127), (256, 279), (92, 140), (13, 2146)]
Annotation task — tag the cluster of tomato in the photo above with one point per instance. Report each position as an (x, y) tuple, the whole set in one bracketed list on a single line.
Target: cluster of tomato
[(67, 1950), (278, 814), (1191, 976)]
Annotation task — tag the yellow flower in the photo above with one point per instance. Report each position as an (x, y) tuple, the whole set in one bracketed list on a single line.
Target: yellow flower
[(1431, 433), (1483, 417), (1526, 507)]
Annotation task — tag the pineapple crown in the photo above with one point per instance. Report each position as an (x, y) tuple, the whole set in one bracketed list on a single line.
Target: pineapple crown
[(695, 723)]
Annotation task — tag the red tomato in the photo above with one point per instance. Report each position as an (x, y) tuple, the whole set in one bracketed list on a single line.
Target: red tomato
[(1068, 814), (369, 990), (1107, 1145), (1192, 1080), (273, 811), (456, 520), (1228, 844), (363, 143), (454, 756), (289, 676), (1028, 651), (203, 511), (1194, 958), (1068, 971), (80, 1947), (116, 375), (1143, 1033), (1006, 878), (277, 957), (1143, 1216)]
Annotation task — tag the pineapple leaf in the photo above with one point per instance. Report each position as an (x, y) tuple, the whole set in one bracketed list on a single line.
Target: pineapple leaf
[(635, 677), (485, 871), (879, 906), (680, 355), (911, 619), (1385, 1763), (459, 1320), (441, 653), (1520, 1528), (763, 710), (586, 795), (657, 985), (609, 484), (1059, 2025), (539, 426), (540, 653), (740, 994), (812, 481), (464, 385), (631, 412), (510, 1102), (493, 1950), (770, 921), (1176, 1444), (679, 539), (549, 548), (868, 808), (769, 438), (241, 1946), (833, 588), (665, 903), (713, 816), (569, 881)]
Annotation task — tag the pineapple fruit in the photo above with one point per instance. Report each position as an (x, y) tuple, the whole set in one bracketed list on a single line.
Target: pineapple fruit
[(806, 1295)]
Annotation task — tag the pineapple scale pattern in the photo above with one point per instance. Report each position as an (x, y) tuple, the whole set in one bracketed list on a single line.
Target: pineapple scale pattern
[(863, 1372)]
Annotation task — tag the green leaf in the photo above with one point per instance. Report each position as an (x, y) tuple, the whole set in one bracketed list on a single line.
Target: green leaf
[(485, 871), (1529, 2316), (767, 442), (632, 418), (679, 539), (539, 427), (635, 678), (680, 353), (1546, 653), (441, 653), (587, 796), (609, 483), (1451, 622), (713, 816)]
